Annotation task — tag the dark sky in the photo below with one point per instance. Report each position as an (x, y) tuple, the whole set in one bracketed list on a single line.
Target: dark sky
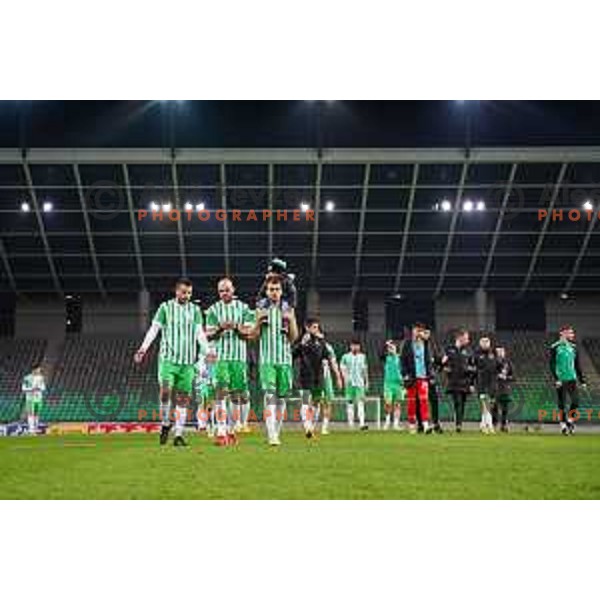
[(294, 123)]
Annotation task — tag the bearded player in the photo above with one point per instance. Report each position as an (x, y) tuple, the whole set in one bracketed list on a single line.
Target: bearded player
[(228, 324), (182, 335), (275, 328)]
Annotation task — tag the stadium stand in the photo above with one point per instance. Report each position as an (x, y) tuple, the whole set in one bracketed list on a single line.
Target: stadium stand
[(95, 379)]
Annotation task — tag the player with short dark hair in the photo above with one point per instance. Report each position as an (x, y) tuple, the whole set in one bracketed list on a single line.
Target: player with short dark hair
[(434, 386), (34, 387), (459, 368), (275, 355), (355, 373), (503, 391), (566, 370), (485, 380), (182, 335), (310, 353), (416, 370), (393, 385)]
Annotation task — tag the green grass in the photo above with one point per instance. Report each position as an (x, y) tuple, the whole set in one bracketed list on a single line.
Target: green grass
[(342, 466)]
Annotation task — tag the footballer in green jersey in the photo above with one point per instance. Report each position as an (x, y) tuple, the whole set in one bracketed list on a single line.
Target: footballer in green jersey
[(393, 386), (228, 324), (275, 328), (180, 324)]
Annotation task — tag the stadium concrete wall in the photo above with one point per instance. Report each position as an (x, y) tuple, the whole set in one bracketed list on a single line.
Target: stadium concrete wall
[(582, 312), (473, 311), (40, 317), (118, 315)]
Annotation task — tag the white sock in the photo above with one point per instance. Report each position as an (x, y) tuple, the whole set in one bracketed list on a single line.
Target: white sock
[(325, 423), (221, 417), (361, 413), (270, 411), (245, 412), (490, 424), (31, 423), (279, 417), (236, 414), (165, 413), (180, 418), (388, 419), (396, 416), (303, 415), (425, 425), (350, 413), (202, 416)]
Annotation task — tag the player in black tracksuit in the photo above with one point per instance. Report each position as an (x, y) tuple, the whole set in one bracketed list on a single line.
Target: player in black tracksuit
[(434, 387), (503, 391), (459, 368), (309, 353), (485, 380)]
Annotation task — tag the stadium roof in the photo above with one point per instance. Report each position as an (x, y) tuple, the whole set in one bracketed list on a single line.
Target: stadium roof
[(386, 220)]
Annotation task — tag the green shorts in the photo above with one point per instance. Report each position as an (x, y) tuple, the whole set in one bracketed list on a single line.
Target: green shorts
[(329, 392), (231, 375), (176, 377), (317, 394), (33, 406), (276, 378), (355, 393), (205, 392), (393, 392)]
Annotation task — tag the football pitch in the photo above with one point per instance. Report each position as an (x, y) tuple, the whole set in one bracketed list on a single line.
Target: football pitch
[(344, 465)]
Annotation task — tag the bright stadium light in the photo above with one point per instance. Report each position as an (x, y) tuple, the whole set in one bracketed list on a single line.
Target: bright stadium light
[(188, 206), (329, 206), (480, 205), (166, 207), (304, 206), (47, 206), (200, 206), (154, 207), (587, 205), (446, 205), (468, 206), (25, 207)]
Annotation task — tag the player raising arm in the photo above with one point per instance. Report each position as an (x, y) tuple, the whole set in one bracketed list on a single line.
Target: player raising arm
[(180, 324)]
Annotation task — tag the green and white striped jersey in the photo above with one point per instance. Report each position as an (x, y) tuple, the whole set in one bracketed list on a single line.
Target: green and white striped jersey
[(34, 386), (354, 367), (229, 345), (274, 345), (179, 324)]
